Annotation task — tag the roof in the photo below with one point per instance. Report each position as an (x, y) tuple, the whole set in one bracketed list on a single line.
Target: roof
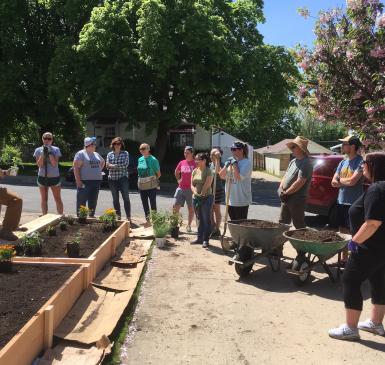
[(280, 148)]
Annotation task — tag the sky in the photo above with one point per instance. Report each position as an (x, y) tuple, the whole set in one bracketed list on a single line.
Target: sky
[(285, 27)]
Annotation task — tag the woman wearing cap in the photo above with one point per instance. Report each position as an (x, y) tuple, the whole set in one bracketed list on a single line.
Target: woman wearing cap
[(183, 192), (88, 166), (148, 175), (238, 169), (117, 163), (201, 181), (47, 159), (216, 165), (367, 259), (295, 184)]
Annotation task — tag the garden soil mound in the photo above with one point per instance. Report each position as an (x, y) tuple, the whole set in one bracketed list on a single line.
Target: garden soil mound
[(316, 236), (23, 293)]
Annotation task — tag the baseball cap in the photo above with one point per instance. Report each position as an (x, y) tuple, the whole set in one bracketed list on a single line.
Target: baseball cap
[(238, 144), (89, 140), (352, 140)]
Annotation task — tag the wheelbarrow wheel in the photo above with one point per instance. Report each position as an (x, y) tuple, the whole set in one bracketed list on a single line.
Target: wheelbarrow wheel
[(275, 262), (244, 253), (301, 263)]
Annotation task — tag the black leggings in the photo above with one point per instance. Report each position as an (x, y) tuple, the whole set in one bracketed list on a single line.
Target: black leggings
[(361, 266)]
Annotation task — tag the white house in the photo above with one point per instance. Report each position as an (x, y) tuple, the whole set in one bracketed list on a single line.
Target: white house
[(225, 140)]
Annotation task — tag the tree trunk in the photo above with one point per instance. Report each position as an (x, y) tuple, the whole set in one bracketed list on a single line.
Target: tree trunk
[(161, 140)]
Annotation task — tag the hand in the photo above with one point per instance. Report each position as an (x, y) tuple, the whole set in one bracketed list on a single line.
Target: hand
[(79, 184), (45, 150), (230, 161), (353, 246)]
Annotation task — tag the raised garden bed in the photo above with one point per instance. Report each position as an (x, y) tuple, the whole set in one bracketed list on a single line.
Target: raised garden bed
[(34, 300)]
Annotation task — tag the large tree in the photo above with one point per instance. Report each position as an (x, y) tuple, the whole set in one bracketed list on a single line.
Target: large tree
[(164, 61), (344, 74)]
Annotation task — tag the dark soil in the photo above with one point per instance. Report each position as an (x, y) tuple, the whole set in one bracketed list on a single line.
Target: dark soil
[(316, 236), (92, 236), (258, 223), (24, 291)]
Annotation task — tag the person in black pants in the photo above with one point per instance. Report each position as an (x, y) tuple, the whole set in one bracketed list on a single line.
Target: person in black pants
[(367, 259)]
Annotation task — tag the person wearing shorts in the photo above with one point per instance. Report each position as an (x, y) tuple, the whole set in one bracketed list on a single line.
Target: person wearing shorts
[(47, 159), (216, 165), (183, 193)]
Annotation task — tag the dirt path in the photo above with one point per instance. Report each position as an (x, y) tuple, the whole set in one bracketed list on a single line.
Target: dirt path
[(194, 310)]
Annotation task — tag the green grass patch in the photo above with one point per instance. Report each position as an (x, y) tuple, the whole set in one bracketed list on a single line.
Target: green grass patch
[(120, 332)]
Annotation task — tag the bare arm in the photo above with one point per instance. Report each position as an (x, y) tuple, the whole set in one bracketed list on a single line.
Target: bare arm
[(223, 172), (296, 186), (351, 181), (366, 231), (177, 174), (335, 182), (77, 166)]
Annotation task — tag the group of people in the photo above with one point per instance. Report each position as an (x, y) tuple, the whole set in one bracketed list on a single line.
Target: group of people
[(360, 213)]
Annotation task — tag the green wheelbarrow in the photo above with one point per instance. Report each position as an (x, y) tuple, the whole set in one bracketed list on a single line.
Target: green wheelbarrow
[(313, 253)]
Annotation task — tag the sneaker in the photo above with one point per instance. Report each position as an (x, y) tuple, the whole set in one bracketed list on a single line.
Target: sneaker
[(8, 235), (205, 244), (344, 332), (370, 326), (195, 242), (188, 229)]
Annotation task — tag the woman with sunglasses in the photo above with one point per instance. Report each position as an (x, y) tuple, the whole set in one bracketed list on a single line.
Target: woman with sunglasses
[(238, 169), (201, 180), (117, 163), (367, 259), (88, 166), (148, 179), (47, 159), (183, 192)]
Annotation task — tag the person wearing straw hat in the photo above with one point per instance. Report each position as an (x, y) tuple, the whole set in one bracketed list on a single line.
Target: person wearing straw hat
[(295, 184)]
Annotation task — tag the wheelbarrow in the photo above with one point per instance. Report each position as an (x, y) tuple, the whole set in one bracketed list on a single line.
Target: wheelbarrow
[(252, 243), (312, 254)]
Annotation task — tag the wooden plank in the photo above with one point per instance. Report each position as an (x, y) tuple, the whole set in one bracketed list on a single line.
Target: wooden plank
[(48, 326)]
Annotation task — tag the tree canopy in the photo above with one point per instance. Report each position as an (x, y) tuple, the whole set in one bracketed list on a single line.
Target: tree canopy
[(344, 75), (158, 61)]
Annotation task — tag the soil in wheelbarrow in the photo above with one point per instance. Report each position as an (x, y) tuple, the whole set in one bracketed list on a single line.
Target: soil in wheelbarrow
[(91, 237), (316, 236), (258, 223), (24, 291)]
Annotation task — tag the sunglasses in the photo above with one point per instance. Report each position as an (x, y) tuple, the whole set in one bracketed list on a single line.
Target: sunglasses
[(92, 144), (47, 138), (117, 144), (142, 149), (235, 148)]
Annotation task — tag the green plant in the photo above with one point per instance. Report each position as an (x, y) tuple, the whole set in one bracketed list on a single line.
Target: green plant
[(160, 223), (32, 243), (75, 240), (84, 211), (70, 219), (73, 246), (63, 224), (11, 155), (175, 220), (51, 230), (7, 252)]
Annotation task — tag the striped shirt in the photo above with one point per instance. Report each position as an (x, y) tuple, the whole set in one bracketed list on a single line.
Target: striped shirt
[(121, 163)]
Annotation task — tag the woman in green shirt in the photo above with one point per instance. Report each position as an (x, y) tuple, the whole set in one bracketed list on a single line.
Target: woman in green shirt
[(148, 175), (201, 180)]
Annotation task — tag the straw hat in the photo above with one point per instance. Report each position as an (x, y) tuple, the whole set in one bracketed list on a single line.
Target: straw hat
[(301, 142)]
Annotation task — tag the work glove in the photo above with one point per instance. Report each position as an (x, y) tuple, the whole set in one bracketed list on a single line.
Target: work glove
[(353, 246), (230, 161)]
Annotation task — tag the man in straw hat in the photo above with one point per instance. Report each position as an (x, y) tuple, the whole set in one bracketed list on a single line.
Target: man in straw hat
[(295, 184)]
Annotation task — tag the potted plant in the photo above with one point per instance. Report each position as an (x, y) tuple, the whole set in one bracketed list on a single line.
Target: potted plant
[(69, 219), (176, 221), (83, 214), (51, 231), (7, 252), (32, 244), (161, 226), (73, 246), (63, 225), (109, 220)]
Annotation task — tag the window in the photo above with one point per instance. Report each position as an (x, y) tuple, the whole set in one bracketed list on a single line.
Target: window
[(109, 134)]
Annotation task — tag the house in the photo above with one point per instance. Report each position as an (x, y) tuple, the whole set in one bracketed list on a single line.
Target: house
[(225, 140), (107, 125), (275, 159)]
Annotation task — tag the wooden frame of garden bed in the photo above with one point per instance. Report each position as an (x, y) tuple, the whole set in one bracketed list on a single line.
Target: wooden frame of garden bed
[(37, 334), (97, 259)]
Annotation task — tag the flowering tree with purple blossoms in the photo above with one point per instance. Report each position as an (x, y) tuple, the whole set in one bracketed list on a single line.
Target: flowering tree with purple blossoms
[(344, 74)]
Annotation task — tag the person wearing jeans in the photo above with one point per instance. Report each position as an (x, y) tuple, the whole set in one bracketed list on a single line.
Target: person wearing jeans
[(88, 166), (367, 258), (201, 181), (117, 163), (148, 183)]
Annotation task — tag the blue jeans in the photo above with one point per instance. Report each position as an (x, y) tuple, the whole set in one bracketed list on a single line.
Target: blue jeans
[(88, 194), (204, 216), (148, 195), (122, 186)]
